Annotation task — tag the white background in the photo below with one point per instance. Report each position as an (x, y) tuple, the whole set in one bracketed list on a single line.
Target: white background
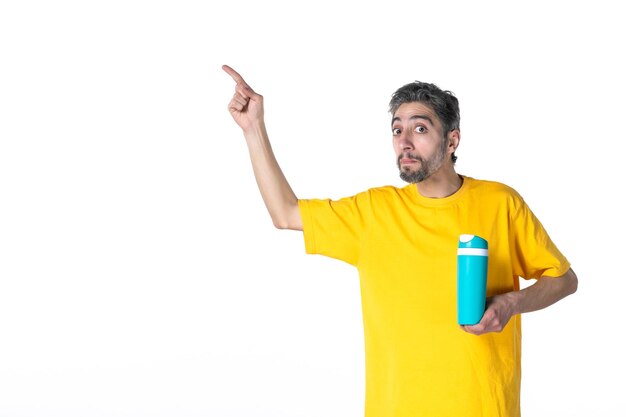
[(140, 274)]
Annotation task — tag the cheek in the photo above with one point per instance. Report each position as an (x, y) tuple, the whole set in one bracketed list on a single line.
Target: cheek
[(395, 144)]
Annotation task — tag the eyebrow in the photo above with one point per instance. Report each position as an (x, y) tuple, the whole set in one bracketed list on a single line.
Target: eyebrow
[(415, 116)]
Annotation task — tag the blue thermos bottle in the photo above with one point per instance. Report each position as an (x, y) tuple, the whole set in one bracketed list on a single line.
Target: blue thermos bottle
[(471, 278)]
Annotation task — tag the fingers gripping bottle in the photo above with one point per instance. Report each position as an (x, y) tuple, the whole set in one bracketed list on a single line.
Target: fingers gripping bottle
[(471, 279)]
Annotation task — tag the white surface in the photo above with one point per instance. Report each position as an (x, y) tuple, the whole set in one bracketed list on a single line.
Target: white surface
[(140, 274), (472, 251), (466, 238)]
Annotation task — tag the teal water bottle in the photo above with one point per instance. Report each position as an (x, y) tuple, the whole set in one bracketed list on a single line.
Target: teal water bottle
[(471, 279)]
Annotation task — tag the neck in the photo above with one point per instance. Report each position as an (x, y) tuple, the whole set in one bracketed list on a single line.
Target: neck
[(441, 184)]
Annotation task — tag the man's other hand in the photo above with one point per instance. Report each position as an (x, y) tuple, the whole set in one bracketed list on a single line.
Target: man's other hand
[(497, 315)]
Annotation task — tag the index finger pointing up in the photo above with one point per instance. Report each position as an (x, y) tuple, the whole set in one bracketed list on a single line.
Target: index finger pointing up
[(235, 75)]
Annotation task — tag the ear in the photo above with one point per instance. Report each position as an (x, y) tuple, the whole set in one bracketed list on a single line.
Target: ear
[(454, 138)]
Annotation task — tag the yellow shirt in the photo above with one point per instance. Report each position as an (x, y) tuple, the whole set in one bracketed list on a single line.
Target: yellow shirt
[(419, 363)]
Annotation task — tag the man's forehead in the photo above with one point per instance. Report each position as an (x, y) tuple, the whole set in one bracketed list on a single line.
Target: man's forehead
[(413, 110)]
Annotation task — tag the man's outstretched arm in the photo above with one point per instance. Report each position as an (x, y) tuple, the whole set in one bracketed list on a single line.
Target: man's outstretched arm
[(246, 108)]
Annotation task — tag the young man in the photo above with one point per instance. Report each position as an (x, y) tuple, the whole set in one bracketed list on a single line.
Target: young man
[(403, 242)]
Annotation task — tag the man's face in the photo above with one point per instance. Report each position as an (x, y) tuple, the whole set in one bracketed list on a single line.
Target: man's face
[(418, 141)]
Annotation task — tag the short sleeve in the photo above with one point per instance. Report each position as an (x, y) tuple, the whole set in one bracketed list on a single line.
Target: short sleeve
[(335, 228), (533, 253)]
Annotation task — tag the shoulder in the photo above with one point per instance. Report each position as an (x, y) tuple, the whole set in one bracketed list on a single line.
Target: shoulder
[(386, 193), (372, 197), (496, 192), (385, 190), (375, 193)]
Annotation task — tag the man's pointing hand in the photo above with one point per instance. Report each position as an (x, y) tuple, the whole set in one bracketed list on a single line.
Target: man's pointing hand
[(246, 106)]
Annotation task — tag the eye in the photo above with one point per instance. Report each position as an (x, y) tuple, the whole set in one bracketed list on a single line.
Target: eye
[(420, 129), (396, 131)]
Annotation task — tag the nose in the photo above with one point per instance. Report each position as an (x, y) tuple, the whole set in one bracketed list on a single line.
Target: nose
[(404, 141)]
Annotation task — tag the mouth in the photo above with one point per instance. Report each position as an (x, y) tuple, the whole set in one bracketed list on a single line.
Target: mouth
[(407, 161)]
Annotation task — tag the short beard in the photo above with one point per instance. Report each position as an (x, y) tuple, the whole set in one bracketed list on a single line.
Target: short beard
[(427, 167)]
